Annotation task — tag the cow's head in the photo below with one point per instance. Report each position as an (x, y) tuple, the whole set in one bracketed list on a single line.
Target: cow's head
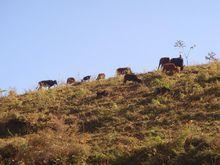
[(55, 82)]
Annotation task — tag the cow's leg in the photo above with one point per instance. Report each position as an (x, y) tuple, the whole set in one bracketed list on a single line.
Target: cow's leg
[(40, 87), (171, 72)]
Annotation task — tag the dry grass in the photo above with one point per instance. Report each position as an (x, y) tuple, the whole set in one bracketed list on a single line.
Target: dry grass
[(134, 124)]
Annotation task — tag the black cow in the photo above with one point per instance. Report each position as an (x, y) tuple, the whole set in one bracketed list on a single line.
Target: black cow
[(132, 77), (46, 84), (178, 62), (87, 78), (163, 60)]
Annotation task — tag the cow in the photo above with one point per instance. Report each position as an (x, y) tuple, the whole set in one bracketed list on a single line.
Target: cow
[(46, 84), (101, 76), (123, 71), (178, 62), (163, 60), (70, 80), (87, 78), (170, 68), (132, 77)]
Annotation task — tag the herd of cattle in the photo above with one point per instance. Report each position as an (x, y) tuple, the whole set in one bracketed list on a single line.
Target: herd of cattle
[(169, 66)]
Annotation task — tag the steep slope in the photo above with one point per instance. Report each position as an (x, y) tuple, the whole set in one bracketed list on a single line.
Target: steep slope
[(167, 119)]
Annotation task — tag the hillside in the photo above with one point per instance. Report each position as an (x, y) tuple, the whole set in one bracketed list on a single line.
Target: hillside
[(134, 124)]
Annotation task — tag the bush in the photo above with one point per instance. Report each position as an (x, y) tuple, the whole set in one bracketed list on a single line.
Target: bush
[(15, 125)]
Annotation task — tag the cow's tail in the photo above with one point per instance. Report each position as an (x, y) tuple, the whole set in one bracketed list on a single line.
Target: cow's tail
[(163, 69), (159, 66)]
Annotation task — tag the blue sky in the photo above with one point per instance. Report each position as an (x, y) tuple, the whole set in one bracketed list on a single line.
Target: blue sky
[(54, 39)]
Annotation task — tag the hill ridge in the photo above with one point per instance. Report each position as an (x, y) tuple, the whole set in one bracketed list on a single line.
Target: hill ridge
[(167, 119)]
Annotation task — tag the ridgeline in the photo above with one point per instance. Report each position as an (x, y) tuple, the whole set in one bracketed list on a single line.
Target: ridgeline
[(166, 120)]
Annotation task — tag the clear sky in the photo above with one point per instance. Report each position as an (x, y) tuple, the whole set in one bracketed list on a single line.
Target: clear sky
[(56, 39)]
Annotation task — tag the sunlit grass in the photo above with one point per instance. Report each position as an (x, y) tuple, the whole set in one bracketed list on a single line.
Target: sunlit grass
[(133, 124)]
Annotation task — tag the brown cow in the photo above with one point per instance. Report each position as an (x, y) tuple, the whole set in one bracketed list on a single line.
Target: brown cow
[(123, 71), (170, 68), (101, 76), (132, 77), (163, 60), (70, 80), (47, 84)]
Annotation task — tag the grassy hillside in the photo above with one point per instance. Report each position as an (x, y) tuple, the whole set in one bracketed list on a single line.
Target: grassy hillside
[(134, 124)]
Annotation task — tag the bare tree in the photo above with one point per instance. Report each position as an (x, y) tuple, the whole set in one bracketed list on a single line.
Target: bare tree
[(181, 46), (211, 56), (187, 55)]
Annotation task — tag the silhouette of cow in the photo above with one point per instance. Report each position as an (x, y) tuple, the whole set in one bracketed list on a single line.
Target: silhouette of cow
[(70, 80), (163, 60), (170, 68), (101, 76), (178, 62), (87, 78), (132, 77), (46, 84), (123, 71)]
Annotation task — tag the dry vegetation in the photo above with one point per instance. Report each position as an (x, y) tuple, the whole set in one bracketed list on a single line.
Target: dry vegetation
[(134, 124)]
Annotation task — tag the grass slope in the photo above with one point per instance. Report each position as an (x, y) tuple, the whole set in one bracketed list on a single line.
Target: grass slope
[(134, 124)]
